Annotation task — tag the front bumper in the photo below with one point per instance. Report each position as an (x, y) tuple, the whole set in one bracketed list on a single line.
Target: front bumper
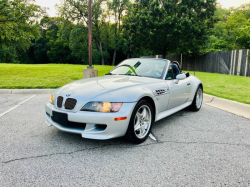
[(92, 119)]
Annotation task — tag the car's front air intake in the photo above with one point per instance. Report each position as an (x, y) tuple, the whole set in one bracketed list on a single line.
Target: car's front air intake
[(59, 101), (70, 103)]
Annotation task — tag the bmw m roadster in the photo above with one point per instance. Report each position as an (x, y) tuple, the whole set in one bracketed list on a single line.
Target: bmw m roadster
[(124, 102)]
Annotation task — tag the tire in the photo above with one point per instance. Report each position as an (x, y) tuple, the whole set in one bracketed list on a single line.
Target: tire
[(142, 119), (196, 105)]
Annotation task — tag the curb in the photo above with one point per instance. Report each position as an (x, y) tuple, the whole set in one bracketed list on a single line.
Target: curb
[(27, 91), (233, 107)]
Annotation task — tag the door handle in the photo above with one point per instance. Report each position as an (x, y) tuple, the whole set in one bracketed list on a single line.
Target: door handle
[(188, 84)]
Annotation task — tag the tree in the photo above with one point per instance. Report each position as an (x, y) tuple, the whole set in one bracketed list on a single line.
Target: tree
[(40, 46), (231, 29), (17, 27), (58, 43), (79, 43), (117, 9), (169, 26), (40, 51), (77, 11), (238, 26)]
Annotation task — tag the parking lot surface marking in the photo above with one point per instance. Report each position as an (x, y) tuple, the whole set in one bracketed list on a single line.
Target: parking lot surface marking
[(16, 106), (152, 137)]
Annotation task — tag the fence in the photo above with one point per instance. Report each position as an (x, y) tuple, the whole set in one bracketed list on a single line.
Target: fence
[(236, 62)]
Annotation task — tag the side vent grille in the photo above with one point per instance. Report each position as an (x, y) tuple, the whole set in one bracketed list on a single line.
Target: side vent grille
[(70, 103), (161, 91), (59, 101)]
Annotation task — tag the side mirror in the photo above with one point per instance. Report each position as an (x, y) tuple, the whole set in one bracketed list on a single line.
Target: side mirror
[(187, 74), (180, 77)]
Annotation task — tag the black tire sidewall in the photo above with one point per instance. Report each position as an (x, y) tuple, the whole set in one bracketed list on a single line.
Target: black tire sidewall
[(130, 131)]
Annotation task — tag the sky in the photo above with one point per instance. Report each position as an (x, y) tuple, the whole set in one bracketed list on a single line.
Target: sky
[(52, 11), (230, 3), (50, 4)]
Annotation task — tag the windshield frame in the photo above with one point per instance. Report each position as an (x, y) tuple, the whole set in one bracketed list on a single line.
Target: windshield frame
[(163, 72)]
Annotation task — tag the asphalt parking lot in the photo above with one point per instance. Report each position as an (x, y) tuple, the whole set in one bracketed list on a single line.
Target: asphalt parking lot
[(206, 148)]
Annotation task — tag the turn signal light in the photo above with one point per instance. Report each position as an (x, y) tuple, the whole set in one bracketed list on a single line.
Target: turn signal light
[(52, 99), (120, 118)]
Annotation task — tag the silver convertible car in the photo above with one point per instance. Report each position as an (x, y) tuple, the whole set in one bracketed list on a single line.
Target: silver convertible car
[(124, 102)]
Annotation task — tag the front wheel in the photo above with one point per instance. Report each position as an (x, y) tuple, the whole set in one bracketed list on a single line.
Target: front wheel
[(198, 98), (140, 122)]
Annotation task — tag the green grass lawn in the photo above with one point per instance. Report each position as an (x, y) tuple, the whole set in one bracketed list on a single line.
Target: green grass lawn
[(56, 75), (43, 75), (231, 87)]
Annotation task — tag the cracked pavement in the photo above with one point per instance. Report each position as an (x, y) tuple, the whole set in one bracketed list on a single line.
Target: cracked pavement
[(206, 148)]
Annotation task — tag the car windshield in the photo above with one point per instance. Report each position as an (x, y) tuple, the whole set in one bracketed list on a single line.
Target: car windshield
[(141, 67)]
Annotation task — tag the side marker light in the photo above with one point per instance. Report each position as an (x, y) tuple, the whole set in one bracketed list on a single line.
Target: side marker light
[(120, 118)]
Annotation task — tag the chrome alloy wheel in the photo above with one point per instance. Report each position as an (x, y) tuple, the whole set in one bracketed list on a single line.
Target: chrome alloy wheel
[(142, 121), (199, 98)]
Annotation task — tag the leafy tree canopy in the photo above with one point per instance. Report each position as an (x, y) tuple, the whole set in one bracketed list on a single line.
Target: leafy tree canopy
[(169, 26), (17, 27), (231, 29), (17, 19), (121, 29)]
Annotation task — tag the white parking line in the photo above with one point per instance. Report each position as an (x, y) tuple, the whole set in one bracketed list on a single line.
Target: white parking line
[(152, 137), (1, 115)]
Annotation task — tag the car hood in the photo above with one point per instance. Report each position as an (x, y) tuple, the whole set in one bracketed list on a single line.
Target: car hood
[(91, 88)]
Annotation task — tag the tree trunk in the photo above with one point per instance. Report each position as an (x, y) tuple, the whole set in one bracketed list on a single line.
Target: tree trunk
[(100, 49), (114, 56), (103, 62), (181, 61), (99, 43), (194, 65), (128, 55), (164, 52)]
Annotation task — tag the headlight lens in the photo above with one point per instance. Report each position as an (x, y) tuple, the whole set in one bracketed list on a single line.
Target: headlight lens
[(102, 107), (52, 99)]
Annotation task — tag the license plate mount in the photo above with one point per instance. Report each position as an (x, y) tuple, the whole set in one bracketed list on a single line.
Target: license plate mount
[(60, 118)]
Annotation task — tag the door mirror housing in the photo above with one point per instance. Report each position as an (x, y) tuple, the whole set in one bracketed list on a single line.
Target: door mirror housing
[(187, 74), (180, 77)]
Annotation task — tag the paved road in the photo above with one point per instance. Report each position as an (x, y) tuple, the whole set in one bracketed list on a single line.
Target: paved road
[(207, 148)]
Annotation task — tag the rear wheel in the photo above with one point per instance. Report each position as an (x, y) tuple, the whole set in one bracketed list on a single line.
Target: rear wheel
[(140, 122), (198, 98)]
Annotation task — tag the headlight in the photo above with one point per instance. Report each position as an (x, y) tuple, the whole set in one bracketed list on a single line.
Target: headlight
[(102, 107), (52, 99)]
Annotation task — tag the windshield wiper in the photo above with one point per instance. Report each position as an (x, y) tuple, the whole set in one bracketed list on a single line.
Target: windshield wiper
[(109, 73)]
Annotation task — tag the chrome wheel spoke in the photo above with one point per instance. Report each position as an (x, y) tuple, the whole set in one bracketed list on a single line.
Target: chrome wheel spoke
[(144, 113), (141, 132), (137, 126), (143, 127), (138, 115)]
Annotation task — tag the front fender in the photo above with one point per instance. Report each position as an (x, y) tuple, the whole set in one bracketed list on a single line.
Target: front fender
[(195, 84)]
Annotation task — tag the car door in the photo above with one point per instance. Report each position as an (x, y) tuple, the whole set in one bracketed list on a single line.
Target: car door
[(179, 93)]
